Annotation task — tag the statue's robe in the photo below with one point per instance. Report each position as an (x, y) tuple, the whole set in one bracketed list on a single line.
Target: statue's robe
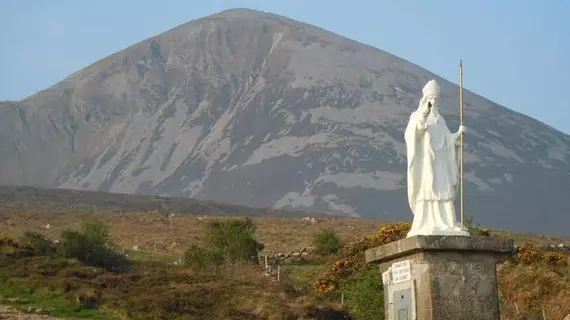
[(433, 175)]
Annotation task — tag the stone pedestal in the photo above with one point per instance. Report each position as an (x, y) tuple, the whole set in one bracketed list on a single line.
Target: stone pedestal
[(441, 277)]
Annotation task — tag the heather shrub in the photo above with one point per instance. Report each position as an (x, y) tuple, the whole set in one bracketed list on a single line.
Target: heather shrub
[(5, 240), (199, 258), (12, 249), (39, 244)]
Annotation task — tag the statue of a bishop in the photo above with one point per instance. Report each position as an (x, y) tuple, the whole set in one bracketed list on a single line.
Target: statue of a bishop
[(433, 168)]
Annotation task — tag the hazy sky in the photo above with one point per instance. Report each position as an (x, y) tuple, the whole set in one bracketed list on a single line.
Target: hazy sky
[(516, 53)]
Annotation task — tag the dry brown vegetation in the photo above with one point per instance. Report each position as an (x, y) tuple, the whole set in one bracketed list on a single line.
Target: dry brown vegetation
[(533, 280), (161, 233), (530, 289), (164, 234), (528, 282)]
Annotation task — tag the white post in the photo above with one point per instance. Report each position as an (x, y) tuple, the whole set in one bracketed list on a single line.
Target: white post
[(278, 272)]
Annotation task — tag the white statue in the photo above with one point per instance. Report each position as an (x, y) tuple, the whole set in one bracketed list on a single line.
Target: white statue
[(433, 168)]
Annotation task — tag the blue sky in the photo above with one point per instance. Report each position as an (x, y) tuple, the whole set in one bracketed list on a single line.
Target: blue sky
[(516, 53)]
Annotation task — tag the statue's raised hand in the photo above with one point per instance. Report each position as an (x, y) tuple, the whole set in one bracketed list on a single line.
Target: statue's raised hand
[(461, 130), (425, 107), (459, 133)]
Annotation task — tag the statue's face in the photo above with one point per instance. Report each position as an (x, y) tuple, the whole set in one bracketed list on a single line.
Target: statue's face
[(433, 100)]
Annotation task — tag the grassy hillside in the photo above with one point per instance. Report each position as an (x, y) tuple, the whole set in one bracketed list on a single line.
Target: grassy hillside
[(312, 286)]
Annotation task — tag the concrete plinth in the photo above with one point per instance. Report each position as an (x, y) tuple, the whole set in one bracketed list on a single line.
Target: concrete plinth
[(449, 277)]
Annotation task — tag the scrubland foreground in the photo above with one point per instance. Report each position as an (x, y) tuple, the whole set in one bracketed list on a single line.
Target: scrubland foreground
[(158, 266)]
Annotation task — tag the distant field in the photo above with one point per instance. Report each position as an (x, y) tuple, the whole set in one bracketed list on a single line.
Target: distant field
[(164, 234), (60, 200), (169, 225)]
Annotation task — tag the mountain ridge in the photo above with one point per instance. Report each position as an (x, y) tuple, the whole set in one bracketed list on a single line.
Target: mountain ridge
[(261, 110), (28, 199)]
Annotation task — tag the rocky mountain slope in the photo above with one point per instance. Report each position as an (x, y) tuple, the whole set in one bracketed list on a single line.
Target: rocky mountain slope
[(256, 109)]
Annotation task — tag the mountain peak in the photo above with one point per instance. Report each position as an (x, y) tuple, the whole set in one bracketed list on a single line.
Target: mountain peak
[(243, 12), (254, 109)]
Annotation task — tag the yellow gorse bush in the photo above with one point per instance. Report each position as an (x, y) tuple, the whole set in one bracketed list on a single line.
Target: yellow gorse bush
[(555, 258), (352, 256), (392, 232), (527, 254), (325, 286), (344, 268), (386, 234)]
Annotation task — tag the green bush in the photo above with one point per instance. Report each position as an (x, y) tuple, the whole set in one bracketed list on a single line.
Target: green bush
[(93, 247), (97, 232), (363, 295), (226, 242), (326, 241), (234, 239)]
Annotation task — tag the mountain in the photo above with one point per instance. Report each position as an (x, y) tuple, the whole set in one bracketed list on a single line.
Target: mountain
[(256, 109)]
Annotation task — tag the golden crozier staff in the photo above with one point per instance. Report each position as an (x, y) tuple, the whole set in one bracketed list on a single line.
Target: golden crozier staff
[(461, 143)]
